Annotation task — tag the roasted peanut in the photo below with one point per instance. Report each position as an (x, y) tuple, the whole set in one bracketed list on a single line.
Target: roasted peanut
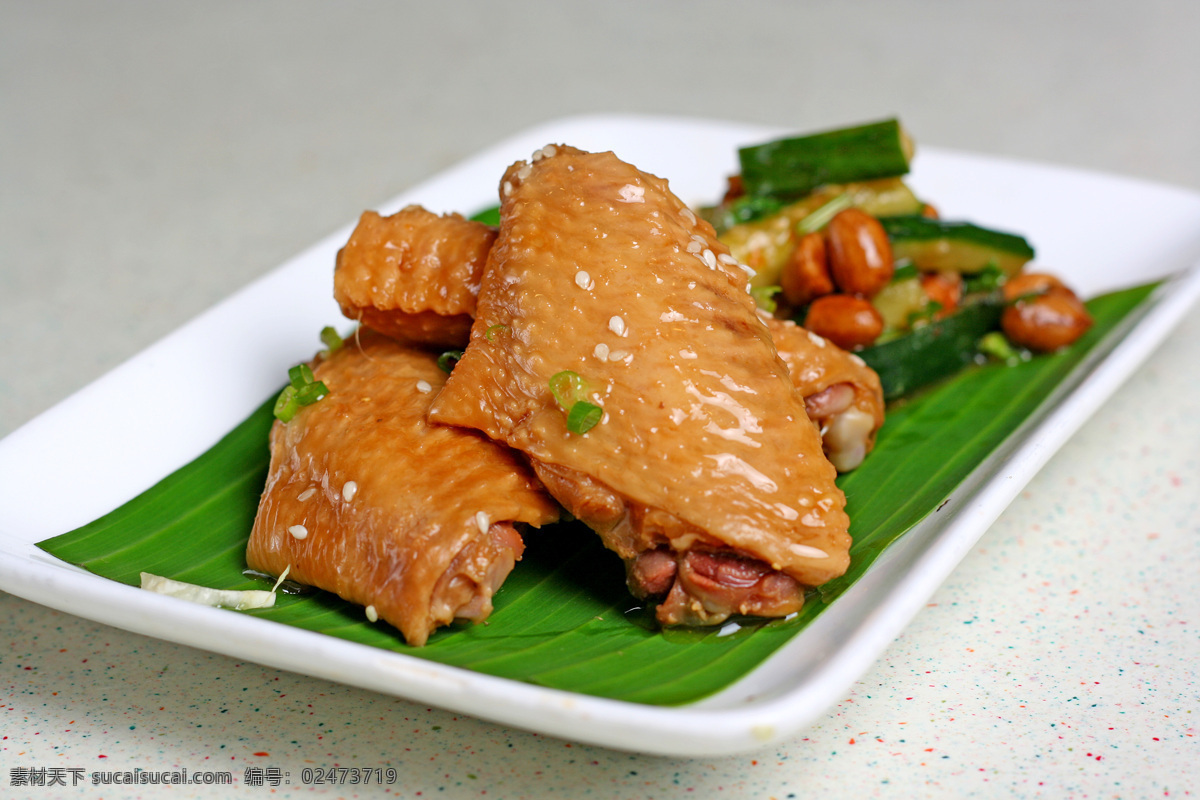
[(1030, 283), (845, 320), (1047, 321), (805, 275), (860, 255)]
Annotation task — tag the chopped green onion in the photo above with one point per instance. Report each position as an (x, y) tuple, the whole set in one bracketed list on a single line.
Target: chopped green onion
[(286, 405), (300, 376), (764, 297), (583, 417), (331, 339), (491, 332), (568, 388), (302, 390), (311, 393), (820, 216), (448, 359)]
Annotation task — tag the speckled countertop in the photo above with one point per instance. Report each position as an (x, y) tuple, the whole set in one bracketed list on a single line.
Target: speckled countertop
[(153, 159)]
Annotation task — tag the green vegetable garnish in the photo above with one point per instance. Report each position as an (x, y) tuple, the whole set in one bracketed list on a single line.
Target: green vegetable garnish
[(311, 393), (491, 332), (568, 388), (764, 296), (331, 339), (286, 405), (300, 376), (448, 359), (583, 416), (302, 390), (569, 391), (821, 216)]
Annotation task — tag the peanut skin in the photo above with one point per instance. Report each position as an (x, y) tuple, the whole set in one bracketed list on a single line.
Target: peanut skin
[(805, 274), (860, 254), (845, 320)]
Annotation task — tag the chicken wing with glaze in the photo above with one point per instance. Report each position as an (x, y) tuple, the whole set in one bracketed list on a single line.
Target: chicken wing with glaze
[(413, 275), (704, 472), (367, 500)]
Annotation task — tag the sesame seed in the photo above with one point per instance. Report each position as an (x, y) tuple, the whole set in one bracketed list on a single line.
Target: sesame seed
[(601, 351), (804, 551), (372, 614), (307, 493), (483, 521), (694, 247), (688, 216), (727, 259), (616, 325), (632, 194), (524, 171), (550, 150), (508, 189), (349, 490), (424, 387), (617, 355), (815, 339), (709, 259), (583, 280), (857, 360), (298, 531)]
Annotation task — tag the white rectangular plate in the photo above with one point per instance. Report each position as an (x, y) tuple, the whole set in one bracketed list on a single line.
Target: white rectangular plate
[(1099, 232)]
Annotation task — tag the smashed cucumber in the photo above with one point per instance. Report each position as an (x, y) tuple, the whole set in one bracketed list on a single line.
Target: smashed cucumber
[(787, 169), (933, 351), (941, 246)]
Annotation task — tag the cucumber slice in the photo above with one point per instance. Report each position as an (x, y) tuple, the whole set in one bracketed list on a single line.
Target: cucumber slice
[(937, 245), (790, 168), (933, 351)]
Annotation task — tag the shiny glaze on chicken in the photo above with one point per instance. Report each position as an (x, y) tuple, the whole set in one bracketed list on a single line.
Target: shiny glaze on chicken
[(413, 275), (367, 500), (704, 459)]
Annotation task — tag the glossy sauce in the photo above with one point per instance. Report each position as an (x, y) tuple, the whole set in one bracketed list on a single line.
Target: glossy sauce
[(701, 422)]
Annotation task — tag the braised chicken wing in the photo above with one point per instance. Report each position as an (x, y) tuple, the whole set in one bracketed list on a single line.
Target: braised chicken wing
[(694, 458), (365, 499), (413, 275)]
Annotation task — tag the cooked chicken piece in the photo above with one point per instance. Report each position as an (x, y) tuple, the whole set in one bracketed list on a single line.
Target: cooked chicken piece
[(413, 275), (842, 395), (367, 500), (703, 473)]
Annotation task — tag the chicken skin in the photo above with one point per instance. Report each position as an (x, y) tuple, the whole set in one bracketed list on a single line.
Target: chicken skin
[(413, 275), (702, 470), (367, 500)]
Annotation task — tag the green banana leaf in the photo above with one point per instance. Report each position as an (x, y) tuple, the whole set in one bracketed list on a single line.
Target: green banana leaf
[(564, 618)]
